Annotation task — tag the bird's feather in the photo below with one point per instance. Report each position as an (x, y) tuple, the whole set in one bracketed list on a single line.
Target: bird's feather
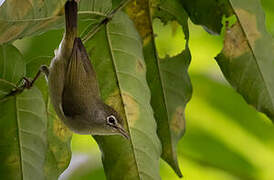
[(80, 88)]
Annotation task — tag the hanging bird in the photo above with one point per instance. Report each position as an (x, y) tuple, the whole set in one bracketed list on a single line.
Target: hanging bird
[(73, 87)]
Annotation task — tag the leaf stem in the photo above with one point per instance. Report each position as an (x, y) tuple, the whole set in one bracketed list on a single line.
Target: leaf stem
[(104, 21)]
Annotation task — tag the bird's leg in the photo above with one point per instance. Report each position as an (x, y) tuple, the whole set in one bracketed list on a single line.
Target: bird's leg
[(29, 83)]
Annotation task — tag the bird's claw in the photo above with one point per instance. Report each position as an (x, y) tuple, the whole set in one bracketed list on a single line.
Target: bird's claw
[(27, 83)]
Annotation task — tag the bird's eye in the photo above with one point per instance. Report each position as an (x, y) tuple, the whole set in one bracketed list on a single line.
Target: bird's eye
[(111, 120)]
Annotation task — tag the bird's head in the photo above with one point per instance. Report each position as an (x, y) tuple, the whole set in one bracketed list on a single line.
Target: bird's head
[(109, 121)]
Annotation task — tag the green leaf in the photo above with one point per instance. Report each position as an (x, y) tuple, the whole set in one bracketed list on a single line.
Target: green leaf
[(247, 57), (12, 66), (24, 18), (12, 69), (23, 121), (59, 136), (91, 13), (167, 76), (35, 144), (116, 53), (23, 136), (208, 13), (27, 18)]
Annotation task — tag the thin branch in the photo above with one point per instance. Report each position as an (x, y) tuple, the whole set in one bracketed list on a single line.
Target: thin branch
[(121, 6), (105, 21)]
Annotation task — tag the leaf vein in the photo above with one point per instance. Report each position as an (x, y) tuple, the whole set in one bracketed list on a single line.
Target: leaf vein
[(125, 52), (34, 151), (127, 36), (31, 112)]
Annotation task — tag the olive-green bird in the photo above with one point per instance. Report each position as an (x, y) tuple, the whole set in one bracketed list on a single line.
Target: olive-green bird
[(73, 87)]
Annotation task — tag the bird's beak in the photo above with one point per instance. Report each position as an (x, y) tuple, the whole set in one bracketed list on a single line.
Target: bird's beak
[(123, 132)]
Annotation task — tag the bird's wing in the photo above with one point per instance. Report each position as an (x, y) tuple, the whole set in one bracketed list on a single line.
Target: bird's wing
[(81, 87)]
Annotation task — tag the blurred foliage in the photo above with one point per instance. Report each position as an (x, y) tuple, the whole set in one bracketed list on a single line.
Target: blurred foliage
[(269, 11), (165, 33), (225, 138)]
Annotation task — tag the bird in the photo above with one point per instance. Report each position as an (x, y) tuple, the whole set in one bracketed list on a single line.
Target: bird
[(73, 86)]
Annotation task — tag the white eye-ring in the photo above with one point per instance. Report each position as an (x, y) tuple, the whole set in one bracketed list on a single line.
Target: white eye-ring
[(111, 120)]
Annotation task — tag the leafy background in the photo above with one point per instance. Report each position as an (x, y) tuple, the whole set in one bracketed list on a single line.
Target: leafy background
[(224, 139)]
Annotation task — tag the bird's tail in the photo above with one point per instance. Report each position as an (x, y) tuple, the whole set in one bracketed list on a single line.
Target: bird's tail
[(71, 18), (66, 46)]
